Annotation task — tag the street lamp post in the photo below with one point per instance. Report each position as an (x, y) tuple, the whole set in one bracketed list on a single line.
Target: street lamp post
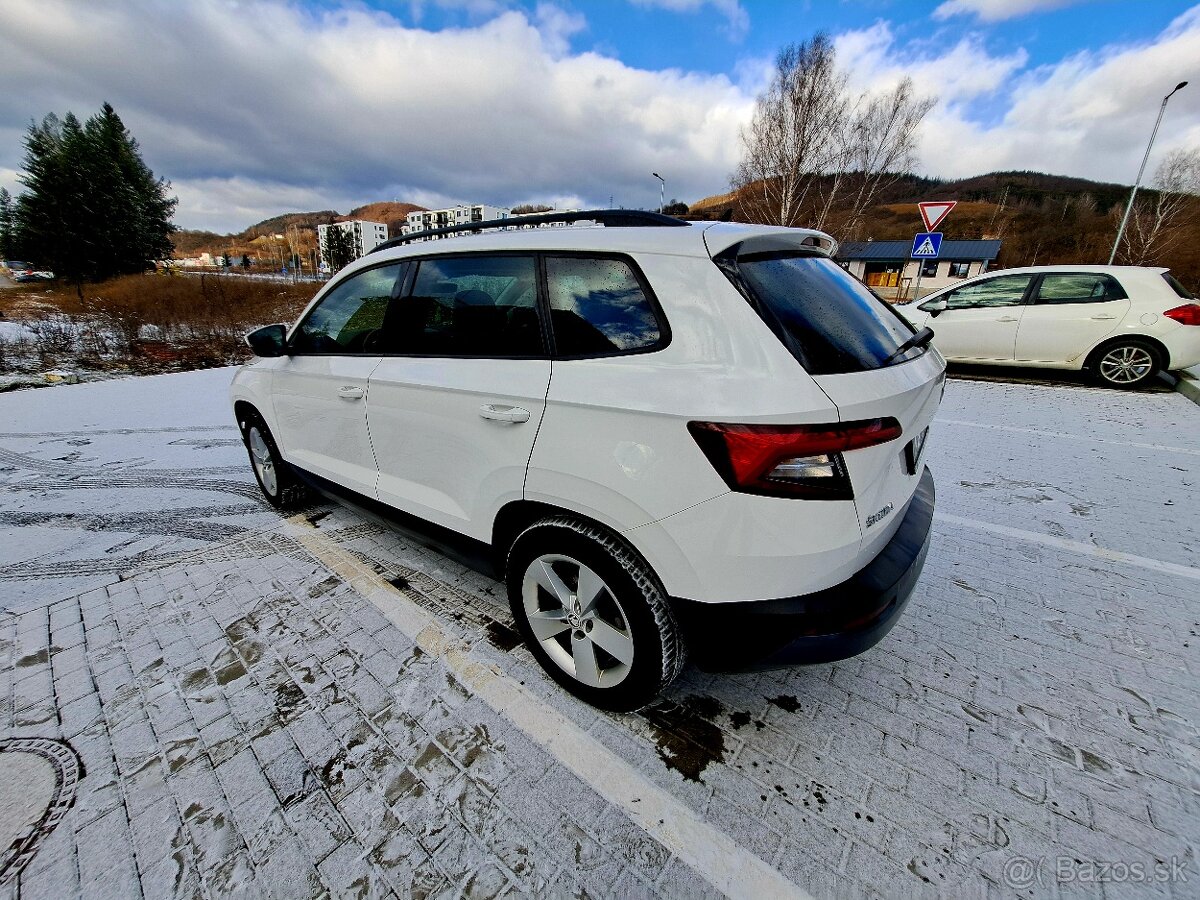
[(1129, 206), (662, 191)]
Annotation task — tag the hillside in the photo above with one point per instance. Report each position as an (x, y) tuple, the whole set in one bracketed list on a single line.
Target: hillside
[(1041, 219), (391, 213), (299, 229)]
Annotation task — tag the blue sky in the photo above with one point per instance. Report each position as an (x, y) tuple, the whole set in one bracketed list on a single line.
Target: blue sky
[(255, 107), (700, 37)]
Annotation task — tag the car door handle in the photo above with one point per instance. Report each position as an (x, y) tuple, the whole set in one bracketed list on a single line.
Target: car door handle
[(349, 392), (512, 414), (1103, 316), (1008, 319)]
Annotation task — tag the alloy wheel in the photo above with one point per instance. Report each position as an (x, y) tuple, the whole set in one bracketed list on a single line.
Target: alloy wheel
[(264, 464), (577, 620), (1126, 365)]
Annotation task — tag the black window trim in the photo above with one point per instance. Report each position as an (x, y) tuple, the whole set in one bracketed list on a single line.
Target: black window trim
[(541, 305)]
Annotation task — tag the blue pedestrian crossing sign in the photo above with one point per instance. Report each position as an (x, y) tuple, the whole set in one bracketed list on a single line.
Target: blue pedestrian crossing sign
[(927, 245)]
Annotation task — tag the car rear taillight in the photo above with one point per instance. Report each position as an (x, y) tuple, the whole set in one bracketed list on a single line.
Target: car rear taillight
[(1188, 314), (789, 460)]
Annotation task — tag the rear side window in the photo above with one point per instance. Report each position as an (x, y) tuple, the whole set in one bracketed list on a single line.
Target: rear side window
[(349, 318), (598, 306), (827, 318), (469, 306), (1078, 288)]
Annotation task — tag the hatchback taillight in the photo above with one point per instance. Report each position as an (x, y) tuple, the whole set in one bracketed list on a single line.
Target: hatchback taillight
[(1188, 314), (789, 460)]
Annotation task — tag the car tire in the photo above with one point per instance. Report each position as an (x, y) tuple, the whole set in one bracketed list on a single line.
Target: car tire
[(1125, 364), (618, 648), (274, 476)]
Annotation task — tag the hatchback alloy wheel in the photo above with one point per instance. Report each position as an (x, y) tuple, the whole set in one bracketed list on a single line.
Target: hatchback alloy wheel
[(1126, 365)]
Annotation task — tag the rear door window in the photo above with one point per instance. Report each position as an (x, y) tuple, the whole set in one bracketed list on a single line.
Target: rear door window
[(830, 321), (1078, 288), (599, 306), (469, 306)]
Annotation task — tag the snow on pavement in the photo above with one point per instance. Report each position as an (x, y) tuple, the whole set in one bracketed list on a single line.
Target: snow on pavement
[(103, 477)]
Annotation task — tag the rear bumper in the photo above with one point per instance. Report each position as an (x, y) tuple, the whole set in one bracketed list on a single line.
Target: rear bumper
[(827, 625)]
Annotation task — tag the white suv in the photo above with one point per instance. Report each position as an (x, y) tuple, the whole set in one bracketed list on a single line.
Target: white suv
[(669, 439), (1123, 324)]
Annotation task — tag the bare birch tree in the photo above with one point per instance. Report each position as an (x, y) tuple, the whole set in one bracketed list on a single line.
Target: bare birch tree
[(796, 132), (812, 152), (1151, 229), (882, 146)]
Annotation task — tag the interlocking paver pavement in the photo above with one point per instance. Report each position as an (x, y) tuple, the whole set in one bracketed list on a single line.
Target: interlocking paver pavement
[(249, 719)]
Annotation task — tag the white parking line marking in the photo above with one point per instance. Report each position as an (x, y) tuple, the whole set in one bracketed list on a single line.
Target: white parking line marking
[(1129, 559), (1063, 434), (729, 868)]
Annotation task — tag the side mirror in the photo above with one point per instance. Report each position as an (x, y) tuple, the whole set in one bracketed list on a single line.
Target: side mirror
[(935, 306), (270, 340)]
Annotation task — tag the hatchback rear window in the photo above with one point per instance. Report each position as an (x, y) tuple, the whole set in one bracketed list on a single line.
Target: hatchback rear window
[(1177, 287), (827, 318)]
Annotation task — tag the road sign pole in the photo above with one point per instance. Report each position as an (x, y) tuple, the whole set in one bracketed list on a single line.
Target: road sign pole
[(917, 288)]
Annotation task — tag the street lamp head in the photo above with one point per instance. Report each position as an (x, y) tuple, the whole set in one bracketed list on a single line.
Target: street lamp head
[(660, 178), (1181, 84)]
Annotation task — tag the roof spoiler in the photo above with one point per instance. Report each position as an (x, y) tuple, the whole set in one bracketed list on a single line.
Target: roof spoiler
[(610, 218)]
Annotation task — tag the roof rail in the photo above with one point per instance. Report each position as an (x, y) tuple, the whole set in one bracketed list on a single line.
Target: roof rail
[(610, 218)]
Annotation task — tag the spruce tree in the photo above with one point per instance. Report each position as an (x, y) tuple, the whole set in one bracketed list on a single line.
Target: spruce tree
[(8, 249), (92, 209)]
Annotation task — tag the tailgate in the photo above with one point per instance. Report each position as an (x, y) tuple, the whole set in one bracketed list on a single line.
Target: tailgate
[(882, 476)]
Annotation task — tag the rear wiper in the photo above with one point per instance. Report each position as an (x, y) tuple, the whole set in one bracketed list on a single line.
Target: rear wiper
[(920, 339)]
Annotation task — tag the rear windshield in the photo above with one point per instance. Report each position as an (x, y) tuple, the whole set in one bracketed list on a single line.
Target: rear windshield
[(1177, 287), (829, 320)]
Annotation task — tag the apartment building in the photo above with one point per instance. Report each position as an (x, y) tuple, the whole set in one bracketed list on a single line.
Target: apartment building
[(463, 214), (366, 235)]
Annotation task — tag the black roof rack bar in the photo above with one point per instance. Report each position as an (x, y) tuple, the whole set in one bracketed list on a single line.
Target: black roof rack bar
[(611, 218)]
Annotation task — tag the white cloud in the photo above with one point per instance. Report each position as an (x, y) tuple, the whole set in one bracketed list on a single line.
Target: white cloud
[(329, 109), (997, 10), (737, 19), (1088, 115), (274, 109), (959, 73)]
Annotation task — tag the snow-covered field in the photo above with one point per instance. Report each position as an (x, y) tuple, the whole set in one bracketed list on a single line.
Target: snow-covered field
[(107, 476)]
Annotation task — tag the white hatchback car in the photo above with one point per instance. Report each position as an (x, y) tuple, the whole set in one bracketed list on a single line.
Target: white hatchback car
[(1123, 324), (669, 439)]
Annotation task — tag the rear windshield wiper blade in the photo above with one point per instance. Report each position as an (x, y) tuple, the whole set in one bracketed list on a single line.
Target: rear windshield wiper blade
[(920, 339)]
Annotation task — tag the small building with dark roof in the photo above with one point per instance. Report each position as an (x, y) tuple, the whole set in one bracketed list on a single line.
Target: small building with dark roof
[(888, 267)]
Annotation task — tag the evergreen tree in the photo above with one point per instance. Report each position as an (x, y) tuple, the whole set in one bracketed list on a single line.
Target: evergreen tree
[(7, 241), (92, 209), (339, 248)]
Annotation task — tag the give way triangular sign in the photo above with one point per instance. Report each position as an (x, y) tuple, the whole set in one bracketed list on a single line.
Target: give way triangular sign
[(934, 211)]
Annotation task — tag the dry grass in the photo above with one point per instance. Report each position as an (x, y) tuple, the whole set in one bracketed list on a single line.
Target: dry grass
[(149, 322)]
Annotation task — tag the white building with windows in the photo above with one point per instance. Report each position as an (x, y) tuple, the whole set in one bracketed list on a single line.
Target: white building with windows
[(366, 235), (463, 214)]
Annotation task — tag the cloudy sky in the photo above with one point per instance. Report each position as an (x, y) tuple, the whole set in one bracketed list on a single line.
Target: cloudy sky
[(255, 107)]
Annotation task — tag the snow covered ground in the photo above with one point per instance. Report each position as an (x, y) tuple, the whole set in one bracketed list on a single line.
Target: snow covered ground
[(103, 477)]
